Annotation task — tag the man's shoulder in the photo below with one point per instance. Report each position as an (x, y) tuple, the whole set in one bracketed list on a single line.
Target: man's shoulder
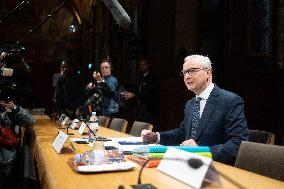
[(112, 79), (189, 102), (151, 76), (225, 94)]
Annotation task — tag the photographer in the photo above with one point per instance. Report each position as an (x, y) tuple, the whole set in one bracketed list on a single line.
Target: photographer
[(102, 93), (14, 67), (11, 118)]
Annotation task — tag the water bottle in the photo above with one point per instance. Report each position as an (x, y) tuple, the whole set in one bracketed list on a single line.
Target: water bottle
[(94, 125)]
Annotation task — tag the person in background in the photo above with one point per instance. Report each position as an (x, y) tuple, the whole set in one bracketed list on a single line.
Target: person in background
[(102, 93), (146, 94), (2, 55), (12, 117), (68, 91), (215, 117)]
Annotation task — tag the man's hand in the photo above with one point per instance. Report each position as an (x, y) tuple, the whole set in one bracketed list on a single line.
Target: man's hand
[(2, 55), (90, 86), (189, 142), (97, 76), (127, 95), (149, 136), (8, 105)]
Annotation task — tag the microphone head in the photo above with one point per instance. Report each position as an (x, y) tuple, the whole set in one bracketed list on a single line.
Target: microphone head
[(195, 163), (118, 13)]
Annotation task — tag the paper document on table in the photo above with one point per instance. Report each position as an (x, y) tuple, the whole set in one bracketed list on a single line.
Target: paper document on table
[(127, 143), (79, 139), (128, 139)]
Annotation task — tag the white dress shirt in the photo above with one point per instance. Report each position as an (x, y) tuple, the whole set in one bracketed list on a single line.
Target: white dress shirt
[(204, 97)]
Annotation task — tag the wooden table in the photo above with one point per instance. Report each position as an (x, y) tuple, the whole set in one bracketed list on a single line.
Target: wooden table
[(54, 172)]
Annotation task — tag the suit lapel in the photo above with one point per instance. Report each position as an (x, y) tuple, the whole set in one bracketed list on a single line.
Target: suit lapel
[(208, 111)]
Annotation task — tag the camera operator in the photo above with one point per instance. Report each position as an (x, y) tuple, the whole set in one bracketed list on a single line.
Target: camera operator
[(12, 117)]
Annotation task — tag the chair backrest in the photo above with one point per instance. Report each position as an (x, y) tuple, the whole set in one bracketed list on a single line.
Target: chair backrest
[(264, 159), (118, 124), (137, 127), (261, 137), (103, 121)]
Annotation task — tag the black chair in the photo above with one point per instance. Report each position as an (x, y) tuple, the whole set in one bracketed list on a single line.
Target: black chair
[(118, 124), (137, 127), (103, 121), (263, 159), (261, 137)]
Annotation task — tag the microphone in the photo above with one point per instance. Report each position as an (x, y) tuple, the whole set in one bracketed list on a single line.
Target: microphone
[(39, 24), (118, 13), (193, 163), (121, 187), (68, 125), (87, 124)]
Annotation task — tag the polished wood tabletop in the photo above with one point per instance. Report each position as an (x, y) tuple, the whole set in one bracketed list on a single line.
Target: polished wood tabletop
[(54, 171)]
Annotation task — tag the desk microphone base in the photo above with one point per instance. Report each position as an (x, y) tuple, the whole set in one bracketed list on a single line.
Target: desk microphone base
[(143, 186)]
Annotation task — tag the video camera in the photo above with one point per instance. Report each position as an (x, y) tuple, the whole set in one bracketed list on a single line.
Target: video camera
[(13, 53)]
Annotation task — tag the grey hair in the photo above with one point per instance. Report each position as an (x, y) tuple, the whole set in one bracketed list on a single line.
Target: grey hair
[(203, 60)]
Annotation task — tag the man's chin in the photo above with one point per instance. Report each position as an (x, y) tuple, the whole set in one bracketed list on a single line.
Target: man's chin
[(190, 87)]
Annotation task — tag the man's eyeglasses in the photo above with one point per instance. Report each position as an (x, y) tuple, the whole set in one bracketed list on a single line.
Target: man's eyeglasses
[(191, 71), (105, 67)]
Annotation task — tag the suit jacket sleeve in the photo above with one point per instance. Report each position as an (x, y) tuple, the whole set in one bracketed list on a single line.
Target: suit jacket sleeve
[(236, 131), (178, 135)]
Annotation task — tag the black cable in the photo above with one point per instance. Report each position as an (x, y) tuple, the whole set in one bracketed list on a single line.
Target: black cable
[(37, 26)]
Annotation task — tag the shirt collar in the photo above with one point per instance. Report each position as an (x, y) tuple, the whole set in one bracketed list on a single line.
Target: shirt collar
[(205, 94)]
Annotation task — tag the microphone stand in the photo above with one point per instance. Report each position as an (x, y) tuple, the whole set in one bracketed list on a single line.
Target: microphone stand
[(20, 6), (37, 26), (67, 130), (87, 124)]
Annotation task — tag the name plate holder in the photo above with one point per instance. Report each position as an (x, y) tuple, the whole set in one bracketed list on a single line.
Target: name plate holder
[(74, 124), (60, 140), (62, 117), (66, 120), (82, 128), (190, 168)]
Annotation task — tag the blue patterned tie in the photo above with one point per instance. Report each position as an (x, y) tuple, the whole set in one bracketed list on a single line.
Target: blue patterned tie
[(195, 118)]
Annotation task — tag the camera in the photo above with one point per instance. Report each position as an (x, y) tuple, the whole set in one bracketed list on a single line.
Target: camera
[(12, 54)]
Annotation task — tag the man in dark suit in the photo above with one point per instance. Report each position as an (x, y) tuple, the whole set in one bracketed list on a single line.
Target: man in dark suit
[(215, 117), (68, 91), (147, 95)]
